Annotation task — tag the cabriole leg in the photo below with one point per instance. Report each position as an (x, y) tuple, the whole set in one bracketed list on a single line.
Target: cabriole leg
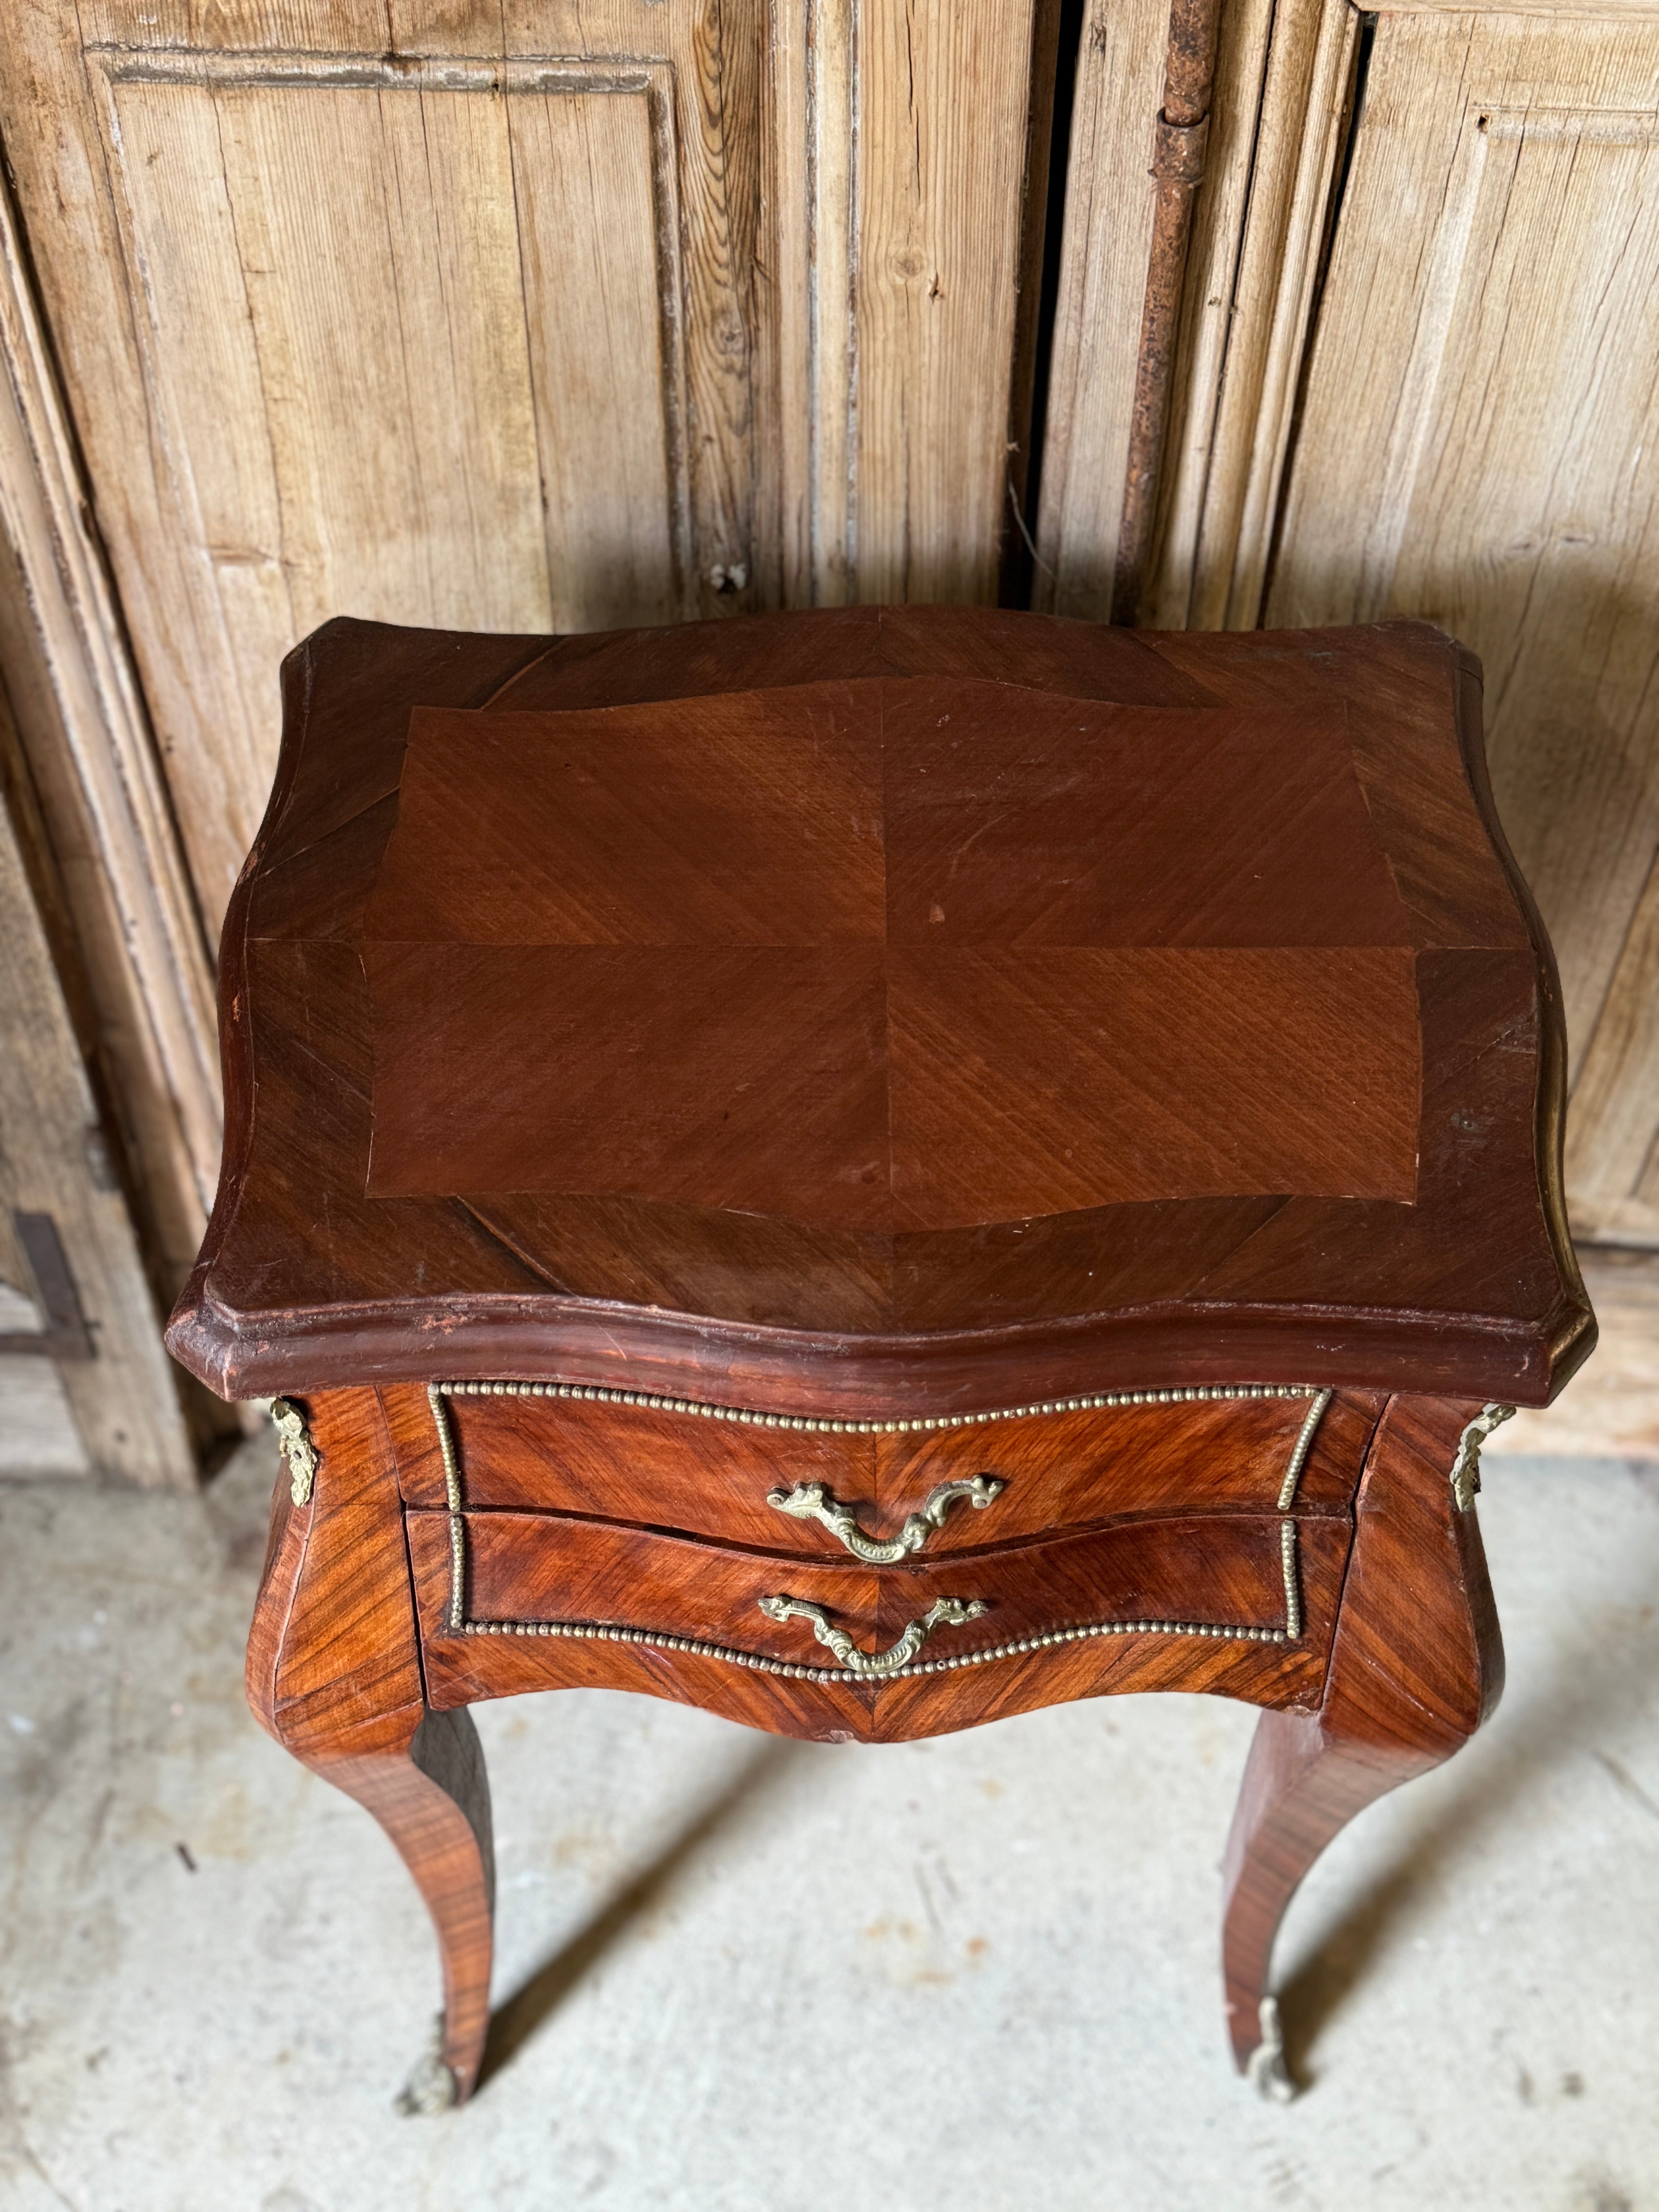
[(433, 1800), (1417, 1665), (333, 1673)]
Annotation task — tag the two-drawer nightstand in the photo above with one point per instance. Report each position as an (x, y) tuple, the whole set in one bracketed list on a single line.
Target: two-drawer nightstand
[(874, 1170)]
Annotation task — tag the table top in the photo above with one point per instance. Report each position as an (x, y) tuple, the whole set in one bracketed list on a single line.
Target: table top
[(884, 1011)]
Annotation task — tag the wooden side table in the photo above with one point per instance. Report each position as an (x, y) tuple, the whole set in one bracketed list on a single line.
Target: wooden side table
[(874, 1170)]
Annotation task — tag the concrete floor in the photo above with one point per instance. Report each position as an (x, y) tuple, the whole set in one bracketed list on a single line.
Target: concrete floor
[(740, 1975)]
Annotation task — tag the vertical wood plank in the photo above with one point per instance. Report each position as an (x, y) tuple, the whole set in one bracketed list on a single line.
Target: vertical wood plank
[(1481, 446), (832, 207), (600, 333), (1612, 1132), (53, 1161), (1102, 291), (1250, 298), (82, 724), (942, 93)]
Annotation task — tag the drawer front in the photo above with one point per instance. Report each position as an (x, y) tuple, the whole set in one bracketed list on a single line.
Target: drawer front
[(880, 1494), (1218, 1575), (1060, 1469), (619, 1462)]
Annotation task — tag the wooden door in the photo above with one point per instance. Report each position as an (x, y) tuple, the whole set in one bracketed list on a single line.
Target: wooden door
[(555, 316), (1416, 377), (1479, 446)]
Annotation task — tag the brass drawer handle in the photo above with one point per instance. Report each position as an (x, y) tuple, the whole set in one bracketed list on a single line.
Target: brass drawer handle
[(811, 1501), (943, 1613)]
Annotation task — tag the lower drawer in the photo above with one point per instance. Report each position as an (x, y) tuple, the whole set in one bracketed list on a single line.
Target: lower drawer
[(1232, 1577)]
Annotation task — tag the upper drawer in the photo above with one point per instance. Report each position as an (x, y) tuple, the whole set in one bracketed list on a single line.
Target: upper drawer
[(715, 1472)]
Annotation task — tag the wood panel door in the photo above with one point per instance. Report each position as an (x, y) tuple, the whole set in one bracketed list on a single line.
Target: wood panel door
[(1415, 377), (566, 314), (556, 314), (1479, 446)]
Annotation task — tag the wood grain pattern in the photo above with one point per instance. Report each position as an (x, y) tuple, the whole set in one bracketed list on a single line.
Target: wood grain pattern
[(1275, 136), (935, 297), (1285, 80), (608, 1460), (712, 1477), (543, 264), (1613, 1410), (748, 898), (333, 1673), (1417, 1663), (54, 1160), (1217, 1567), (1498, 226), (82, 722), (1066, 1468), (1102, 290), (1471, 1287), (348, 298), (907, 150)]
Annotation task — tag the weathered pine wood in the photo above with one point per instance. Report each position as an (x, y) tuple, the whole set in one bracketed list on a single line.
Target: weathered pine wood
[(1103, 289), (943, 90), (1613, 1410), (1613, 1158), (82, 723), (1281, 109), (363, 318), (55, 1159), (1274, 141), (1479, 448), (348, 302)]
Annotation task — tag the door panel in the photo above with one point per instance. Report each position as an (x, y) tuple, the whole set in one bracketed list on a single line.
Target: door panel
[(1481, 446), (437, 339), (354, 408), (557, 315)]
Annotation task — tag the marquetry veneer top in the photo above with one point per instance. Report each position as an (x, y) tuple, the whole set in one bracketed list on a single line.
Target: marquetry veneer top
[(882, 1011)]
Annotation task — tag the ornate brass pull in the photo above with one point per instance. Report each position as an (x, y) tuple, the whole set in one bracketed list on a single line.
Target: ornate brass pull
[(943, 1613), (811, 1501)]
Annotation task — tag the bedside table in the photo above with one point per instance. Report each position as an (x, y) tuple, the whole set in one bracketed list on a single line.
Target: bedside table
[(874, 1170)]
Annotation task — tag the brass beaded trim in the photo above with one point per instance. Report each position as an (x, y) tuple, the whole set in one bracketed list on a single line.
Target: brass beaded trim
[(754, 1419), (599, 1632), (459, 1624), (1292, 1584), (1300, 1449)]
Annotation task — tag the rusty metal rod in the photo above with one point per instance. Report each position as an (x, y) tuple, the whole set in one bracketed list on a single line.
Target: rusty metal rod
[(1182, 131)]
